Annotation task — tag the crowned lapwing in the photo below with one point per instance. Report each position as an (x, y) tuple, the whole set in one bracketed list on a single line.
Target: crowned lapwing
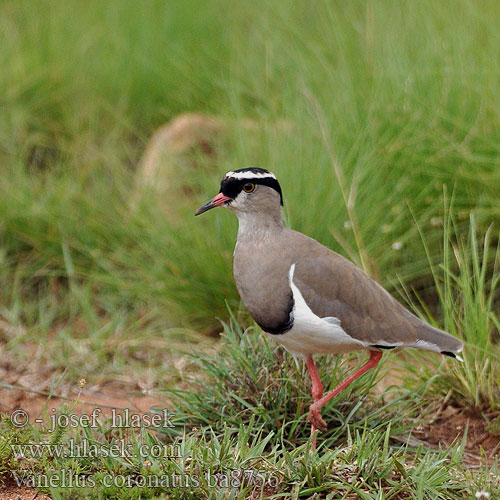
[(307, 297)]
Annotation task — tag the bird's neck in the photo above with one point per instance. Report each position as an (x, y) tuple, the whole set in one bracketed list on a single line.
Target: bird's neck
[(256, 226)]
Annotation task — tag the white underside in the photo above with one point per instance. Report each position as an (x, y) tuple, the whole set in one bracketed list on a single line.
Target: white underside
[(311, 334)]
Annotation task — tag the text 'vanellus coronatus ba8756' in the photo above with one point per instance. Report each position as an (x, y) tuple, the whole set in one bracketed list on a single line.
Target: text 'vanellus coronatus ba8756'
[(307, 297)]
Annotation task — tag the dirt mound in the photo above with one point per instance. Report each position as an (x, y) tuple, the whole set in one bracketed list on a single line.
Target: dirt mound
[(450, 427)]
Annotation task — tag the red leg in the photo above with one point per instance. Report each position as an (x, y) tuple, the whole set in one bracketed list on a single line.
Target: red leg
[(317, 386), (315, 409)]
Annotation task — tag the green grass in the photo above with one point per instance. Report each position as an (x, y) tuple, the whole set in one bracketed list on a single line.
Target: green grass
[(253, 437), (252, 379), (404, 108), (467, 292), (390, 107)]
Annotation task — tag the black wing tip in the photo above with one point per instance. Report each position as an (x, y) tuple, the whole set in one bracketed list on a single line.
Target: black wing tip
[(452, 355), (384, 346)]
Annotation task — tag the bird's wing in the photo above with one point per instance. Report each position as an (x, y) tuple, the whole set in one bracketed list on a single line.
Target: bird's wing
[(334, 287)]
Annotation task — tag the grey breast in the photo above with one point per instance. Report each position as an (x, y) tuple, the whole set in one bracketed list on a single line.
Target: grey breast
[(261, 276)]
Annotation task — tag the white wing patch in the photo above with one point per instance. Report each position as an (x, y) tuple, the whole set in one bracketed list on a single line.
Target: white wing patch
[(311, 334), (423, 344)]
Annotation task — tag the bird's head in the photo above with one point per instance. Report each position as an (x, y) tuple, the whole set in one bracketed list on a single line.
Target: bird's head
[(247, 190)]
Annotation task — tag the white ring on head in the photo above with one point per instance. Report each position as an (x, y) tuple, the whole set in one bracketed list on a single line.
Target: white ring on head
[(248, 174)]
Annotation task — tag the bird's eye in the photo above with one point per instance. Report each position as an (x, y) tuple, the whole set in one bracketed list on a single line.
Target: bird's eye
[(248, 187)]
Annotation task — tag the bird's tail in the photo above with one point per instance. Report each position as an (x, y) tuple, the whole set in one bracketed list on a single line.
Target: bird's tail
[(433, 339)]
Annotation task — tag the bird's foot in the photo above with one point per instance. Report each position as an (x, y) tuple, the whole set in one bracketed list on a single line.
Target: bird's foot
[(315, 418)]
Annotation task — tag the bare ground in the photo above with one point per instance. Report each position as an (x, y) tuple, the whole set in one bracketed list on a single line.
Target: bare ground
[(13, 492), (448, 427)]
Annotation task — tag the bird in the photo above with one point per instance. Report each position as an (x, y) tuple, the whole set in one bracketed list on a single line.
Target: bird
[(307, 297)]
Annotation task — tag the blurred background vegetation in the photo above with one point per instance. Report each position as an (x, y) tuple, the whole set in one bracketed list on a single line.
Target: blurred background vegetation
[(391, 116), (381, 120)]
